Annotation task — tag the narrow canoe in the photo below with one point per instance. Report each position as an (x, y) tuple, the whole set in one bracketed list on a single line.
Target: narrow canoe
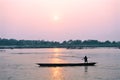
[(65, 64)]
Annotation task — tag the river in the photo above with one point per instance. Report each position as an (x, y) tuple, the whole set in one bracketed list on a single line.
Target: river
[(20, 64)]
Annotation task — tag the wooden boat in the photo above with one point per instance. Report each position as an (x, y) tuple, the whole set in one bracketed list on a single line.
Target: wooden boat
[(65, 64)]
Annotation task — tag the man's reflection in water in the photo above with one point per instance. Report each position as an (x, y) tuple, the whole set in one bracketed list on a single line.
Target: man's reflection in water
[(86, 68)]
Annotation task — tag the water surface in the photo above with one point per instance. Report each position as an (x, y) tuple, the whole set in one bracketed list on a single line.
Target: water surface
[(20, 64)]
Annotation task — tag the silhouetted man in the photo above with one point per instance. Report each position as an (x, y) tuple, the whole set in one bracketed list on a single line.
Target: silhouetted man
[(85, 59)]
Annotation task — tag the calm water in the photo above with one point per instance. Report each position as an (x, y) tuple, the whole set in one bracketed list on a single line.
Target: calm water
[(19, 64)]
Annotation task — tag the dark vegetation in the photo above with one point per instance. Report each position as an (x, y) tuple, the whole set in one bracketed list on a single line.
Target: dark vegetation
[(74, 44)]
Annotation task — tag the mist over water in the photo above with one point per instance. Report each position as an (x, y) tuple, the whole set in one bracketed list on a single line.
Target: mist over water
[(20, 64)]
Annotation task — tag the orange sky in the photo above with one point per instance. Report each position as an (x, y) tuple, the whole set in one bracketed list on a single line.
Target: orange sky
[(60, 19)]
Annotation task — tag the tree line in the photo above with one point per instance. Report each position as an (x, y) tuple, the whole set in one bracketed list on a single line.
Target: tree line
[(13, 43)]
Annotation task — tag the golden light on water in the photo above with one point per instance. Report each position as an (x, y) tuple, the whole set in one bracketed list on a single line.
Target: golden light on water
[(55, 60), (56, 74), (57, 56), (57, 52)]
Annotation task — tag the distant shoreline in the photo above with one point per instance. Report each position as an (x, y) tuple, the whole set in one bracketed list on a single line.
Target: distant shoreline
[(83, 47), (70, 44)]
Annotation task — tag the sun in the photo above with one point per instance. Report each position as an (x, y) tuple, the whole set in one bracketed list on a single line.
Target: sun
[(56, 18)]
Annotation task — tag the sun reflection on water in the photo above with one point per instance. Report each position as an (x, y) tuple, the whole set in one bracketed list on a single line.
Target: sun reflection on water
[(57, 52), (57, 56), (57, 72)]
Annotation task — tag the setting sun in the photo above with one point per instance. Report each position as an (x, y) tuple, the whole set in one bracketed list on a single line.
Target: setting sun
[(56, 18)]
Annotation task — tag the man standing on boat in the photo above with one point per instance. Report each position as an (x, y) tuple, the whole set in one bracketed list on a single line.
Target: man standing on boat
[(85, 59)]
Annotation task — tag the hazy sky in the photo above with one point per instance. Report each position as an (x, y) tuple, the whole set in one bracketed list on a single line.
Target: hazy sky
[(60, 20)]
